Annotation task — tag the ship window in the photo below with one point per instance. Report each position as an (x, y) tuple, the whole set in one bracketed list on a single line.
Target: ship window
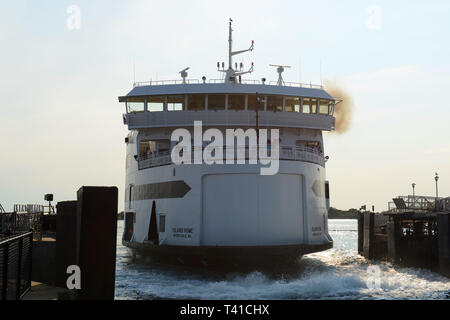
[(236, 102), (175, 103), (147, 149), (196, 102), (292, 104), (313, 146), (331, 110), (162, 223), (216, 102), (274, 103), (313, 105), (155, 103), (253, 102), (309, 105), (324, 106), (135, 105)]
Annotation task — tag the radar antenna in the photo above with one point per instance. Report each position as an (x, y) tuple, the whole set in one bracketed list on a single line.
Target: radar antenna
[(280, 70), (184, 74), (230, 74)]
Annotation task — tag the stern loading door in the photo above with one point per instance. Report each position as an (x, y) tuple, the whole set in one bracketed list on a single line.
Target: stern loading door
[(252, 210)]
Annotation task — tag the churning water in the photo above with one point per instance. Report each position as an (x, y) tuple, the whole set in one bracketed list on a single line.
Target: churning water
[(338, 273)]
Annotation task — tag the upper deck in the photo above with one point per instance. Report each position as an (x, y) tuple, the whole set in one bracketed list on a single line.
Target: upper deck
[(169, 104), (231, 101)]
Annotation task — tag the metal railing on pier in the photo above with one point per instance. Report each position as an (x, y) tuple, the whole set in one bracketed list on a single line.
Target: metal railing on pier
[(15, 266), (417, 203), (23, 219)]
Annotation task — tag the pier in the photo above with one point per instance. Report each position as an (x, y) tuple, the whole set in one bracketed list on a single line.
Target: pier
[(414, 232), (41, 249)]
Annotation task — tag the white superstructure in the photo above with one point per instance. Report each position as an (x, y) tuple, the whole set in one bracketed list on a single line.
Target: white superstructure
[(222, 212)]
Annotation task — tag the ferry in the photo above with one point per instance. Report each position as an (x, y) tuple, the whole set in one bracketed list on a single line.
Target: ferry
[(222, 214)]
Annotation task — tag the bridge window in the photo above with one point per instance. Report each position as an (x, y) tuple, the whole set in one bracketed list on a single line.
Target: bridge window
[(331, 109), (135, 105), (196, 102), (175, 103), (253, 102), (309, 105), (155, 103), (216, 102), (274, 103), (324, 106), (236, 102), (292, 104)]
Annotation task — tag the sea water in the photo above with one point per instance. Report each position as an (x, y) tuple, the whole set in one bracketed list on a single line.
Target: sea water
[(338, 273)]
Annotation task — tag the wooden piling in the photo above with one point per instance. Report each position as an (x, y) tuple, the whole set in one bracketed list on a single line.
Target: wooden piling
[(443, 227), (97, 225), (360, 232), (66, 236), (369, 221), (393, 240)]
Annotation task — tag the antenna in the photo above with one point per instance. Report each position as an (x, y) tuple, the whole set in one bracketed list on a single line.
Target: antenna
[(280, 70), (300, 69), (134, 69), (320, 71), (230, 74), (184, 74)]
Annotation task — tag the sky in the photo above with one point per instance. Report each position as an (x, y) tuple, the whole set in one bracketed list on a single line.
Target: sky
[(64, 63)]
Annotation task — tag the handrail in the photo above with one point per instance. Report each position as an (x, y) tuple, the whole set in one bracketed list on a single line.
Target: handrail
[(417, 202), (298, 84), (243, 81), (295, 153), (16, 222), (164, 82), (16, 256)]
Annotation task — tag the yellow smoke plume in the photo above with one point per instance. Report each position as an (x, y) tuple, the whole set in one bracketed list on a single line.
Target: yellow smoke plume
[(344, 110)]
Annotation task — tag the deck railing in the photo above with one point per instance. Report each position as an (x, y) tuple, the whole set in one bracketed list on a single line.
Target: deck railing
[(294, 153), (15, 266), (243, 81)]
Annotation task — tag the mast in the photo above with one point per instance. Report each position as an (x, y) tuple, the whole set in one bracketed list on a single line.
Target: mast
[(230, 73), (230, 46)]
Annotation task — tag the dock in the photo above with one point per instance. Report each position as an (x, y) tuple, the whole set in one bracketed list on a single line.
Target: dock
[(69, 254), (414, 232)]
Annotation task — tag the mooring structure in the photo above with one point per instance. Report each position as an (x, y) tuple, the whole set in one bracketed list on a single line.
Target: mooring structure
[(414, 232)]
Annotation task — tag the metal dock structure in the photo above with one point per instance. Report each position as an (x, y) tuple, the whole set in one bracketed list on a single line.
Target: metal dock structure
[(414, 232)]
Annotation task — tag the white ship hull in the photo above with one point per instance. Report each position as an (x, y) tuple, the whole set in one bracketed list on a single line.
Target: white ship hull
[(232, 209)]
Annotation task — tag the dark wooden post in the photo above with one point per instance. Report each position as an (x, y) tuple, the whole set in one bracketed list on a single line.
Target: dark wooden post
[(66, 244), (393, 239), (369, 221), (360, 233), (443, 227), (97, 225)]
